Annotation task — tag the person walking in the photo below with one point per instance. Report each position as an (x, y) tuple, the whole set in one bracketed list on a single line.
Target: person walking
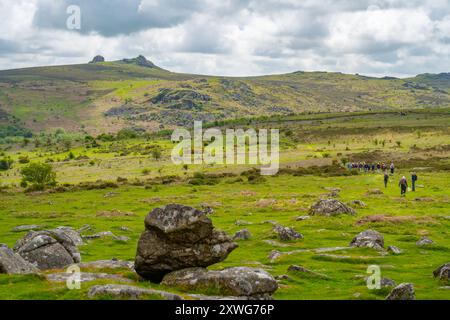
[(392, 168), (386, 179), (403, 184), (414, 178)]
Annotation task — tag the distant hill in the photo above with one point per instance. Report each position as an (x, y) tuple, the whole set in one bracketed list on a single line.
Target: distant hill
[(104, 96)]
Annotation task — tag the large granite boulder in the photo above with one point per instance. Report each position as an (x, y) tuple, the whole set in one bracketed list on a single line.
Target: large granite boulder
[(12, 263), (178, 237), (330, 207), (237, 281), (369, 239), (48, 249)]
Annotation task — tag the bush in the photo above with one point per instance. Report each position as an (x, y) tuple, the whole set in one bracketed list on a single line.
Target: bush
[(40, 175), (24, 159), (6, 164)]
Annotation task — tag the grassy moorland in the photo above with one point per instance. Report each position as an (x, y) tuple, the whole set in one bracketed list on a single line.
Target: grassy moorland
[(111, 182), (109, 96)]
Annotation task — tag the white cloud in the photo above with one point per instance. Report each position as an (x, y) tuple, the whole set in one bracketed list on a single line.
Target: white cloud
[(232, 37)]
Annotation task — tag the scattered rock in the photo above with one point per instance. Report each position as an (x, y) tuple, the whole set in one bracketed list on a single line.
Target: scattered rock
[(369, 239), (242, 223), (300, 269), (374, 192), (114, 213), (99, 235), (48, 249), (425, 241), (85, 277), (242, 235), (121, 238), (424, 199), (357, 203), (179, 237), (330, 207), (302, 218), (404, 291), (274, 255), (333, 194), (394, 250), (386, 282), (12, 263), (110, 194), (286, 234), (107, 264), (33, 227), (85, 228), (118, 291), (237, 281), (71, 233), (332, 189), (125, 229), (207, 209), (283, 277), (443, 272)]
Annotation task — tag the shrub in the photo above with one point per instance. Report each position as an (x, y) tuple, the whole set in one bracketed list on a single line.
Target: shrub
[(24, 159), (6, 164), (40, 175)]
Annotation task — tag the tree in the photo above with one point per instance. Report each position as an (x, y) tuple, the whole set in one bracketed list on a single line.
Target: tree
[(40, 175)]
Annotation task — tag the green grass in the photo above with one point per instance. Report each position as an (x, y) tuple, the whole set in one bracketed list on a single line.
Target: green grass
[(427, 153)]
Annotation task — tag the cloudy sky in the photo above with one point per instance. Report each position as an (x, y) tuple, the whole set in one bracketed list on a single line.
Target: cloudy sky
[(234, 37)]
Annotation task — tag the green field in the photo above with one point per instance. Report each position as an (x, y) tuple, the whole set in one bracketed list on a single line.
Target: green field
[(314, 149)]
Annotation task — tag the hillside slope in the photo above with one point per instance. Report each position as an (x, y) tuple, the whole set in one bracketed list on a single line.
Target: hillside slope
[(107, 96)]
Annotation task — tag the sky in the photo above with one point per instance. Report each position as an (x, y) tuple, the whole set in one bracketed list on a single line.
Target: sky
[(233, 37)]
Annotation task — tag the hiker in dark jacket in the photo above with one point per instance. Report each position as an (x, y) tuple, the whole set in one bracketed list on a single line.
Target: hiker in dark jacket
[(403, 184), (386, 179), (414, 178), (392, 168)]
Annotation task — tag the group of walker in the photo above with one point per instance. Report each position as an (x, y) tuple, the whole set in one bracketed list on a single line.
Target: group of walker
[(381, 166)]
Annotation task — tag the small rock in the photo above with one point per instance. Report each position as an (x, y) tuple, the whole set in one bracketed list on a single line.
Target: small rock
[(99, 235), (443, 272), (33, 227), (374, 192), (125, 229), (424, 242), (283, 277), (302, 218), (394, 250), (242, 223), (300, 269), (404, 291), (85, 277), (121, 238), (12, 263), (286, 234), (207, 209), (85, 228), (107, 264), (357, 203), (242, 235), (128, 292), (274, 254), (368, 239), (386, 282), (330, 207)]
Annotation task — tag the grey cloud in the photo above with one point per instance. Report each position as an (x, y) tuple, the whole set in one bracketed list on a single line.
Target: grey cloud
[(115, 17)]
